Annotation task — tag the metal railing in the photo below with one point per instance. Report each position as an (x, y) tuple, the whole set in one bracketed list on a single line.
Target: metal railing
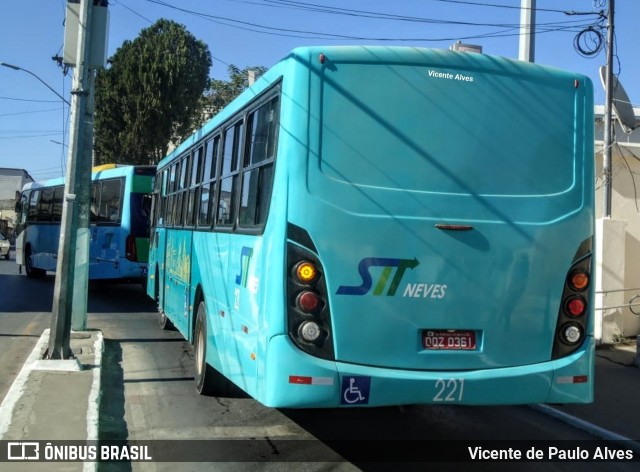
[(633, 301)]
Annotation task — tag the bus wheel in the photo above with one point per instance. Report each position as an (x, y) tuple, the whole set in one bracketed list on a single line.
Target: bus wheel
[(31, 271), (165, 323), (208, 380)]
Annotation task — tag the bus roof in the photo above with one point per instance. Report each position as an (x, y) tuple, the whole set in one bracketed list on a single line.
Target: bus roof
[(316, 57)]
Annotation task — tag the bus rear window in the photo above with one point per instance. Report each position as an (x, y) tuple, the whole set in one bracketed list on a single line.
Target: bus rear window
[(403, 127), (106, 197)]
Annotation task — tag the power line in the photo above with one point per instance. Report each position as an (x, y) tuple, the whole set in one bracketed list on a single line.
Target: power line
[(151, 22), (31, 136), (30, 112), (513, 7), (28, 100), (264, 29)]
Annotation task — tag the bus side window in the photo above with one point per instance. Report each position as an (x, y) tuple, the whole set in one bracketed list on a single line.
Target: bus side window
[(58, 195), (209, 176), (33, 206), (229, 175), (171, 188), (257, 177), (45, 211), (181, 191), (95, 202), (22, 210), (193, 200)]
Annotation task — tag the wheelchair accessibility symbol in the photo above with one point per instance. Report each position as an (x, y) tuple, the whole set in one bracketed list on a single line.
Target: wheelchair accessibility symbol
[(355, 390)]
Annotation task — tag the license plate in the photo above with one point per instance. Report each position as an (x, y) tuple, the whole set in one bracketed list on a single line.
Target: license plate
[(448, 339)]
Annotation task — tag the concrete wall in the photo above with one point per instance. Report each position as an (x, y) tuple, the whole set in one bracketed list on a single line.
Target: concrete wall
[(11, 182), (618, 238)]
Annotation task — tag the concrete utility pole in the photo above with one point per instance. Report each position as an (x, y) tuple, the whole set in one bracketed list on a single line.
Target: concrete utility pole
[(608, 123), (527, 31), (76, 195)]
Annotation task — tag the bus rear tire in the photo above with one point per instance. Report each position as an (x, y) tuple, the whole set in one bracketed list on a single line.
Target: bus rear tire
[(208, 380), (164, 322), (31, 271)]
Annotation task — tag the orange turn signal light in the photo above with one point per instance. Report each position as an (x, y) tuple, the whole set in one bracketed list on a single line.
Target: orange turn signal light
[(306, 272), (579, 280)]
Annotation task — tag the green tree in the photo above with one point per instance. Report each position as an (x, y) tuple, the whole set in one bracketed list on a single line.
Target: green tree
[(222, 92), (151, 95)]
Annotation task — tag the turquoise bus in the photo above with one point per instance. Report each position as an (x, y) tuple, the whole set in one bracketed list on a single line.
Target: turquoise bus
[(119, 224), (371, 226)]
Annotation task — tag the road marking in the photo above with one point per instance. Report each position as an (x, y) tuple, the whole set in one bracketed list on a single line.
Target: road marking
[(590, 428), (93, 407), (230, 432)]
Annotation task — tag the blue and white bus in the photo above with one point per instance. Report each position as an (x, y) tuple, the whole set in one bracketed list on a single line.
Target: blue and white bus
[(119, 224), (372, 226)]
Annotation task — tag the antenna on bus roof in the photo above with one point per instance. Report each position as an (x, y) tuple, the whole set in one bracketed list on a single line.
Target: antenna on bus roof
[(621, 103)]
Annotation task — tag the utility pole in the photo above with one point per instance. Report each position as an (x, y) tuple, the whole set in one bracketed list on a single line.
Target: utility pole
[(77, 188), (527, 30), (608, 122)]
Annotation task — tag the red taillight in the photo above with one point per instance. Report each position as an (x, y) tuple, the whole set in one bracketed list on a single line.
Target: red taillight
[(308, 301), (308, 310), (575, 306), (131, 253), (574, 311)]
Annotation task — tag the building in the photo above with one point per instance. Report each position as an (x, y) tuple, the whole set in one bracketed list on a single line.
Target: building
[(618, 237), (11, 182)]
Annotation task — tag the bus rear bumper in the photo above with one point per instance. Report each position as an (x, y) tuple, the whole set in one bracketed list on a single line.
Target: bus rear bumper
[(297, 380)]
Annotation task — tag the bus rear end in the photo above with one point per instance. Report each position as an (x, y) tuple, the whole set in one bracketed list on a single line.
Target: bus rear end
[(440, 232)]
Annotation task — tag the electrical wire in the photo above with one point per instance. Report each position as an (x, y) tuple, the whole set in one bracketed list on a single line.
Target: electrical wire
[(589, 42), (28, 100), (633, 179), (120, 3), (264, 29), (29, 112)]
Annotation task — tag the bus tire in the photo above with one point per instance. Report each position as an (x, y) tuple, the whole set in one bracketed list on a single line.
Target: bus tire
[(164, 322), (208, 380), (31, 271)]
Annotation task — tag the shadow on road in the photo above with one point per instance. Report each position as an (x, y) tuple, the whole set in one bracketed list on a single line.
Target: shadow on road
[(22, 298), (112, 425)]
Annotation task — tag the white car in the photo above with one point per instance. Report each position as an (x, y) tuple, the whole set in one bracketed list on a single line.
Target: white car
[(4, 246)]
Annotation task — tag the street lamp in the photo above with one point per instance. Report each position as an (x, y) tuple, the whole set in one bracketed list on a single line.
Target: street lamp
[(58, 142), (11, 66)]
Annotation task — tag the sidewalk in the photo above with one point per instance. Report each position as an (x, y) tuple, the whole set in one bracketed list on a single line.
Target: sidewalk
[(54, 400)]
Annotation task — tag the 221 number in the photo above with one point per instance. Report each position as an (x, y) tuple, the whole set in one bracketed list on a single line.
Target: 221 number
[(449, 390)]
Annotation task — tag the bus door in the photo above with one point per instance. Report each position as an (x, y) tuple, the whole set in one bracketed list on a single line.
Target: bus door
[(176, 299), (155, 285)]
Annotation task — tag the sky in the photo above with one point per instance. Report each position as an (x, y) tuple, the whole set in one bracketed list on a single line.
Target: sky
[(34, 121)]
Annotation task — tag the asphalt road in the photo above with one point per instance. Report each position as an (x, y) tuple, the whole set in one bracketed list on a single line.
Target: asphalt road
[(148, 392)]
